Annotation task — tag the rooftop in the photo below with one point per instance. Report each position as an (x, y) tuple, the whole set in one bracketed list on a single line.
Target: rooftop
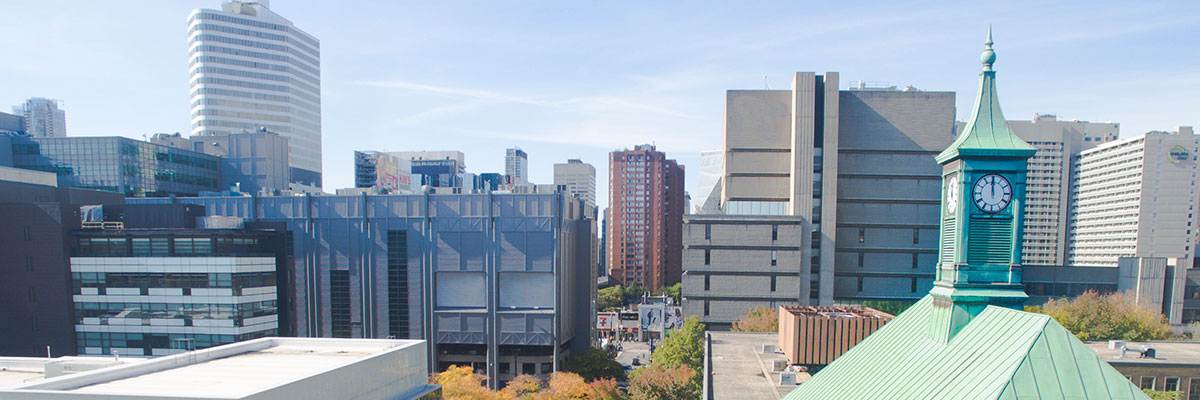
[(836, 312), (1165, 352), (231, 371), (740, 369)]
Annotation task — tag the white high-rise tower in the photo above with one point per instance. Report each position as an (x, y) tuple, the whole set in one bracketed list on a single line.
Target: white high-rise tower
[(252, 69)]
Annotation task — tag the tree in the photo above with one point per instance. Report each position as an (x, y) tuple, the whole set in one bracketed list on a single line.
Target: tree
[(610, 298), (592, 364), (565, 386), (1114, 316), (605, 389), (1163, 395), (657, 382), (673, 291), (462, 383), (759, 319), (521, 387), (894, 307), (683, 346)]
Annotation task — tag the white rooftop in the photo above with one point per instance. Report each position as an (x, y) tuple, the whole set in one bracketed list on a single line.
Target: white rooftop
[(261, 368)]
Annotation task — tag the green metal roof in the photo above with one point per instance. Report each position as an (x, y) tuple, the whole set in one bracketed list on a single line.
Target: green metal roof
[(1001, 354), (986, 133)]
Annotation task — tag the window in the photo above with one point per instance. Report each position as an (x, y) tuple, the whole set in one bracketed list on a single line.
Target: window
[(32, 294), (772, 283), (860, 259), (862, 235), (860, 279), (707, 281), (707, 256), (339, 298), (916, 235), (505, 368), (29, 263), (913, 285), (529, 368), (1171, 384), (397, 254), (28, 233), (706, 308), (707, 232), (1147, 383), (774, 260), (774, 232), (1193, 389), (547, 368), (914, 261)]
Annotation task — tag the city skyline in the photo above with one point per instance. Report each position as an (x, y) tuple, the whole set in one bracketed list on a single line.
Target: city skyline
[(657, 75)]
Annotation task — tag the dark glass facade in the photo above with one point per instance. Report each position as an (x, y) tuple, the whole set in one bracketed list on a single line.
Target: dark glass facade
[(116, 164)]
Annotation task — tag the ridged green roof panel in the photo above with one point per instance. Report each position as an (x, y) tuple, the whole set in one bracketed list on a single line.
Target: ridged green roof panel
[(1001, 354)]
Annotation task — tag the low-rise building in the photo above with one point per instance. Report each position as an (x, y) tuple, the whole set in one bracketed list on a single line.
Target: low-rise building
[(1174, 366), (262, 369), (815, 335)]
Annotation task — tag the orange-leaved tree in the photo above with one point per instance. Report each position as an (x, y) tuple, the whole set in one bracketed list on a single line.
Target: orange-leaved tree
[(759, 319)]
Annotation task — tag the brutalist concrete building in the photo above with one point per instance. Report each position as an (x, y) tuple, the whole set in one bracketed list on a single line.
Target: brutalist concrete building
[(502, 282)]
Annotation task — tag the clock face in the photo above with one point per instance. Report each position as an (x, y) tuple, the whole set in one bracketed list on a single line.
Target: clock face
[(992, 193), (952, 195)]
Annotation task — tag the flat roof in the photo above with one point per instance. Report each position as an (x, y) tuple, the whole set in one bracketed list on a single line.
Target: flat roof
[(1181, 353), (836, 312), (13, 375), (230, 371), (740, 370)]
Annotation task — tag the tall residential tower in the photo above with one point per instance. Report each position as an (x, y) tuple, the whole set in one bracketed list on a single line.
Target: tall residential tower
[(250, 69), (42, 117), (646, 205), (516, 166), (578, 179)]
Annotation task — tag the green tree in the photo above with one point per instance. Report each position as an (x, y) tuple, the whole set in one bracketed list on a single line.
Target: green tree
[(633, 293), (674, 291), (1114, 316), (1163, 395), (682, 347), (759, 319), (610, 298), (894, 307), (657, 382), (592, 364)]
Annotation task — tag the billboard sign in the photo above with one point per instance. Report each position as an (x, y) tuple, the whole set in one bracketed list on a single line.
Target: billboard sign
[(651, 317), (607, 321)]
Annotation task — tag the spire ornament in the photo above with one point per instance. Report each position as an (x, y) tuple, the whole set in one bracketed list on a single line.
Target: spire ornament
[(989, 57)]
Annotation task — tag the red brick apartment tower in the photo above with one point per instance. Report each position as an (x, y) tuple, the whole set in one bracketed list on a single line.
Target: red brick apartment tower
[(645, 226)]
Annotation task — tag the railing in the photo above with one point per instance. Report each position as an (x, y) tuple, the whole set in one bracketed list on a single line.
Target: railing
[(106, 225), (706, 383)]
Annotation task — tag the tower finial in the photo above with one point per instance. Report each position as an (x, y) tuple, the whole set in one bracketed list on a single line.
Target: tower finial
[(989, 56)]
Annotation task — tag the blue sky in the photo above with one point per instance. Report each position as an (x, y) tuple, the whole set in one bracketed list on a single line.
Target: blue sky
[(577, 79)]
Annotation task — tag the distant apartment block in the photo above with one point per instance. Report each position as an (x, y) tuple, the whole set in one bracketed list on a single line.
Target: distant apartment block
[(578, 179), (645, 226), (250, 68), (516, 165), (116, 164), (1135, 197), (42, 118)]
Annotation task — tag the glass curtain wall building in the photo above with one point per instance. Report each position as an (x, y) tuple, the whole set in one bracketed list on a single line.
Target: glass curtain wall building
[(251, 68), (117, 164), (156, 292)]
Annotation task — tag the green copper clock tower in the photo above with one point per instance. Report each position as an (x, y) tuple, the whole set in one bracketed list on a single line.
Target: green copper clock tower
[(983, 197)]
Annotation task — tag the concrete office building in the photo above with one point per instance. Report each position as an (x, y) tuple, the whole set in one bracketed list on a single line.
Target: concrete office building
[(1048, 190), (735, 263), (516, 166), (502, 282), (12, 124), (578, 179), (1135, 197), (42, 117), (852, 169), (151, 292), (35, 243), (373, 169), (251, 68), (645, 194), (250, 161), (272, 368), (116, 164)]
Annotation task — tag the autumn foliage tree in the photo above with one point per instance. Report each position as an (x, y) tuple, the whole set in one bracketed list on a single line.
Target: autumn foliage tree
[(461, 383), (1114, 316), (759, 319), (658, 382)]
